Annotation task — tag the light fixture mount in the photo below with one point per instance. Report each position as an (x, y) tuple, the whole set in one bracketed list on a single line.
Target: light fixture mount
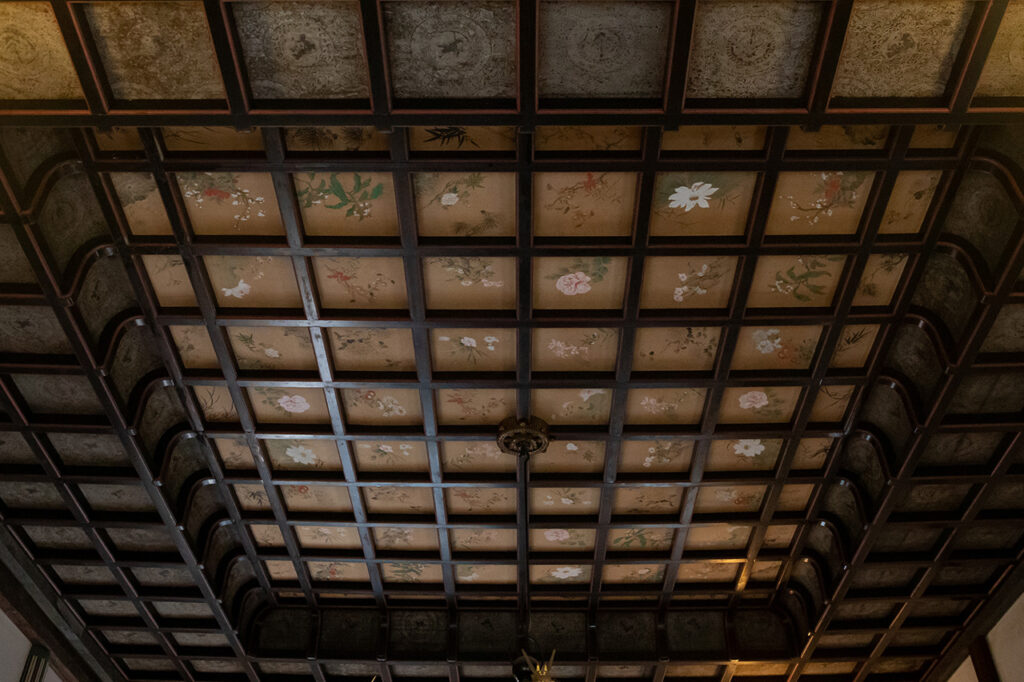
[(523, 437)]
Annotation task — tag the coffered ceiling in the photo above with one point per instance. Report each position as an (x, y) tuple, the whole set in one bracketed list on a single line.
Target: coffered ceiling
[(272, 273)]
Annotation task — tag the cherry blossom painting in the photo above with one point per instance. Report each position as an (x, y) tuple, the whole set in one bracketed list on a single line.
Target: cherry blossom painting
[(828, 202), (664, 405), (591, 349), (469, 282), (231, 203), (382, 406), (655, 455), (674, 282), (789, 281), (387, 455)]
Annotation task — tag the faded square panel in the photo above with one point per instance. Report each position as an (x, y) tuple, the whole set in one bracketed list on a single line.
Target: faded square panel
[(336, 139), (908, 204), (398, 500), (1003, 74), (580, 456), (266, 535), (572, 405), (251, 496), (475, 456), (383, 406), (462, 138), (839, 137), (480, 500), (241, 204), (752, 49), (745, 454), (211, 138), (482, 406), (794, 497), (881, 277), (32, 329), (282, 570), (717, 536), (289, 405), (119, 498), (234, 453), (578, 349), (600, 49), (298, 50), (324, 537), (692, 138), (640, 539), (367, 349), (697, 204), (831, 403), (829, 202), (155, 50), (340, 204), (469, 282), (707, 572), (215, 403), (811, 453), (633, 573), (779, 348), (795, 281), (758, 405), (562, 539), (1007, 333), (675, 349), (118, 139), (169, 279), (587, 138), (268, 348), (720, 499), (287, 454), (143, 209), (35, 63), (409, 539), (56, 394), (360, 282), (659, 500), (335, 571), (322, 498), (778, 536), (854, 345), (655, 455), (381, 455), (486, 574), (473, 350), (901, 48), (253, 282), (575, 574), (583, 204), (664, 405), (938, 136), (562, 501), (38, 495), (573, 283), (465, 204), (482, 540), (452, 49), (673, 282)]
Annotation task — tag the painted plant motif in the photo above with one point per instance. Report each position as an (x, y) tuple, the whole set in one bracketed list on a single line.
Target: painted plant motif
[(475, 405), (698, 281), (471, 455), (481, 500), (752, 452), (281, 401), (652, 501), (666, 453), (884, 265), (568, 537), (643, 538), (762, 402), (383, 453), (467, 349), (222, 188), (635, 573), (216, 404), (580, 347), (659, 406), (405, 571), (385, 405), (431, 190), (579, 277), (801, 280), (351, 277), (772, 342), (469, 271), (567, 497), (246, 272), (685, 340), (850, 343), (264, 356), (299, 453), (366, 342), (354, 195), (558, 574), (835, 189), (341, 138), (578, 199), (603, 138), (590, 405), (456, 136)]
